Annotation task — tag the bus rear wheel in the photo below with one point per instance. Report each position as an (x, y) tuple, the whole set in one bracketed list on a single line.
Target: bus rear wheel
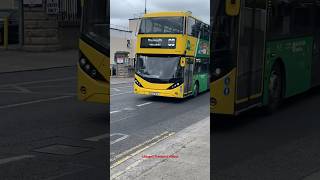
[(275, 88)]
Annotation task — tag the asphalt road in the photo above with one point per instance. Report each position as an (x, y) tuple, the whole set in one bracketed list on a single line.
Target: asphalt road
[(45, 132), (281, 146), (135, 119)]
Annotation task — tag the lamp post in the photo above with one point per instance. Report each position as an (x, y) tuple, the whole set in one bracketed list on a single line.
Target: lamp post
[(145, 6)]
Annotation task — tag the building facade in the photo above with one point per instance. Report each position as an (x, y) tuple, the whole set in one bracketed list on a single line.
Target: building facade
[(43, 25), (9, 4), (51, 25), (121, 52)]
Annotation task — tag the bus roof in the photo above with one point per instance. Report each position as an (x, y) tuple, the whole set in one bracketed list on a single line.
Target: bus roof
[(169, 13)]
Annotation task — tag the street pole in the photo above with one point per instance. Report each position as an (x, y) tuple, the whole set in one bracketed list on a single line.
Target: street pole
[(5, 32), (21, 24), (145, 6)]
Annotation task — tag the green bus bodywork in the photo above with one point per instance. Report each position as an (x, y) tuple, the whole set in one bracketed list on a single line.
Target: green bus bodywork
[(202, 53), (295, 55)]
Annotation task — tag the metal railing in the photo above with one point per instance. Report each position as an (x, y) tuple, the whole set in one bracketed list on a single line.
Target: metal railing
[(69, 12)]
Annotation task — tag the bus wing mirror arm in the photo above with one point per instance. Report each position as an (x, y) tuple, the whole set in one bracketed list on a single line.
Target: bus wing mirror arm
[(232, 7)]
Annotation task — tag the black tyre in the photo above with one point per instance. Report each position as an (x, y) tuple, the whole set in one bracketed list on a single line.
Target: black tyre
[(275, 89), (196, 90)]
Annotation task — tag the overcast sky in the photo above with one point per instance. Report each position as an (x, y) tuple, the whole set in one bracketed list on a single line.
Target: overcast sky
[(122, 10)]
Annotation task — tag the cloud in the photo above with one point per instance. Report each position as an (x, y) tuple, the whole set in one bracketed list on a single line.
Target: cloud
[(122, 10)]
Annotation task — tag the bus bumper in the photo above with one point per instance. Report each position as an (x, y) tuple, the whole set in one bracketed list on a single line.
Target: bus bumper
[(91, 90), (222, 94), (176, 92)]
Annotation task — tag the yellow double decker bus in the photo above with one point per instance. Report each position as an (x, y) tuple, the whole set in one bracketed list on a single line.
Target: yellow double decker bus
[(172, 55), (93, 65)]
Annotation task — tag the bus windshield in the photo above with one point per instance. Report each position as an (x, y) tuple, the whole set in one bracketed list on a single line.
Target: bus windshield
[(94, 25), (160, 69), (223, 46), (161, 25)]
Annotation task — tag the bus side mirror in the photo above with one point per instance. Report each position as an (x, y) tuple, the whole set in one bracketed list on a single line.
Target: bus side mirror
[(232, 7)]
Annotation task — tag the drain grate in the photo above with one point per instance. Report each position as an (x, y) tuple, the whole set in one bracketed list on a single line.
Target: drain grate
[(61, 149)]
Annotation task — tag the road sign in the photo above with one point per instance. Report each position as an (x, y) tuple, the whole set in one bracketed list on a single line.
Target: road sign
[(52, 6), (32, 3)]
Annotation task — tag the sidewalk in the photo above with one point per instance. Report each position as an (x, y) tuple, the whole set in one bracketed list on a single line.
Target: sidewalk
[(314, 176), (14, 60), (117, 80), (192, 148)]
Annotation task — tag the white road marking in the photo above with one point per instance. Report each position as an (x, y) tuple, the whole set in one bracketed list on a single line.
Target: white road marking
[(129, 109), (112, 112), (111, 122), (44, 93), (67, 173), (15, 158), (51, 86), (116, 89), (21, 89), (34, 102), (40, 81), (97, 138), (124, 87), (123, 137), (144, 104), (121, 93)]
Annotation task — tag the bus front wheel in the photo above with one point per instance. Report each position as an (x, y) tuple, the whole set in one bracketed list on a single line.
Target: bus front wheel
[(275, 88), (196, 89)]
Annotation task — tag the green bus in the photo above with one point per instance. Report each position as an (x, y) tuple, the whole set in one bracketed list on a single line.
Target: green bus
[(263, 51)]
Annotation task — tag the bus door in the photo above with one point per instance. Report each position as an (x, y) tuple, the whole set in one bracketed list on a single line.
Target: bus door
[(316, 47), (188, 72), (250, 62)]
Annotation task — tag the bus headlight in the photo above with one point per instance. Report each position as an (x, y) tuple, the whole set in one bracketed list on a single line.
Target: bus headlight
[(217, 71), (89, 69), (174, 85), (82, 61), (137, 83)]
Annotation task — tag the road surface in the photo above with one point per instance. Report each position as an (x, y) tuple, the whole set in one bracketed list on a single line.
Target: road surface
[(45, 132)]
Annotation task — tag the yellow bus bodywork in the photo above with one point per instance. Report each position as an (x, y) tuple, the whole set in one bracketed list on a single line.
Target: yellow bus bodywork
[(181, 49), (222, 94), (89, 89), (158, 89)]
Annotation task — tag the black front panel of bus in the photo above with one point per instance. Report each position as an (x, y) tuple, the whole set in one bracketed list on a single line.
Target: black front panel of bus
[(223, 44), (154, 42)]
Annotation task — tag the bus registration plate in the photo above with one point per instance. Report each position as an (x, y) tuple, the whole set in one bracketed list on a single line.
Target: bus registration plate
[(154, 93)]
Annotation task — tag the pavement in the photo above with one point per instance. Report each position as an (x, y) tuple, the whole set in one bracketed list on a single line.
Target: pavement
[(17, 60), (181, 156), (138, 122)]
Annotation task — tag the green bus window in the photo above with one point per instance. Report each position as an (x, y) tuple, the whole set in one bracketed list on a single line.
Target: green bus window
[(302, 20), (191, 29)]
